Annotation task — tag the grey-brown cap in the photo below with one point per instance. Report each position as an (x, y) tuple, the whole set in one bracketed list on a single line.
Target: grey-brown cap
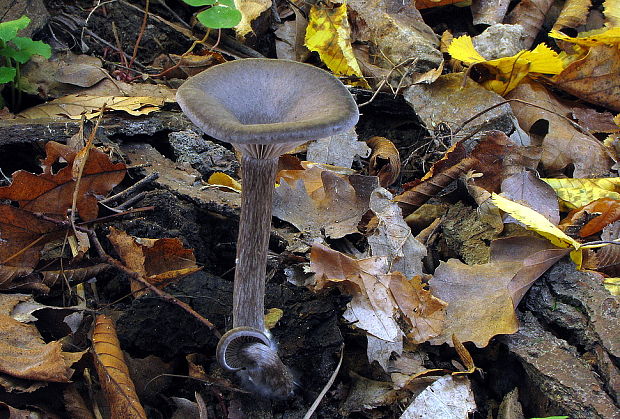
[(258, 101)]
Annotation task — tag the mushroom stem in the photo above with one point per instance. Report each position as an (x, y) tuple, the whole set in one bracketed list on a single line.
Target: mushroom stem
[(253, 241)]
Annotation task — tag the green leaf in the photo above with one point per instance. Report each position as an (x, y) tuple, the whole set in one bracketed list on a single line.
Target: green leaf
[(229, 3), (7, 74), (199, 3), (218, 17), (8, 30), (33, 47)]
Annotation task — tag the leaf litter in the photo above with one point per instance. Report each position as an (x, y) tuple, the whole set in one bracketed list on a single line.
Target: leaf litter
[(403, 291)]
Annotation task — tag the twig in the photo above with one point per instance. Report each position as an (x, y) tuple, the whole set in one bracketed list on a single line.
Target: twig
[(137, 277), (141, 33), (133, 188)]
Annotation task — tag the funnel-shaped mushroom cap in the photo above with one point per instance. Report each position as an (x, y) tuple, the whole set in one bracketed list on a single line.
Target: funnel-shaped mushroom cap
[(265, 101)]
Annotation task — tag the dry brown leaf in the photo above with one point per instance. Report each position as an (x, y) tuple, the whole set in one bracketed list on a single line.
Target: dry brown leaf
[(51, 192), (75, 404), (527, 189), (612, 13), (531, 15), (372, 307), (384, 160), (479, 304), (599, 213), (563, 144), (113, 372), (423, 311), (23, 236), (465, 356), (379, 296), (573, 14), (76, 106), (24, 354), (594, 78), (190, 65), (72, 273), (392, 238), (534, 253), (159, 261), (401, 45), (333, 207), (608, 257)]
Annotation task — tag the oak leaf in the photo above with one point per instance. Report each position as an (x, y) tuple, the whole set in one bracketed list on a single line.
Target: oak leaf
[(320, 201), (384, 160)]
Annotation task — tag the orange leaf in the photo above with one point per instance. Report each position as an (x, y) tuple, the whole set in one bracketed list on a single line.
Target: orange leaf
[(52, 192), (114, 378)]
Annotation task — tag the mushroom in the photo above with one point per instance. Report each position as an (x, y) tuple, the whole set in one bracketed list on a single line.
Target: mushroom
[(264, 108)]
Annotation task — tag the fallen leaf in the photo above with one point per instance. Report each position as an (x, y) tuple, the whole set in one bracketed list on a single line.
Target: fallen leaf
[(593, 63), (23, 236), (372, 307), (337, 150), (332, 207), (51, 193), (24, 354), (449, 398), (222, 179), (608, 257), (479, 303), (612, 13), (392, 237), (250, 10), (563, 145), (159, 261), (423, 311), (384, 160), (76, 106), (528, 189), (536, 255), (531, 15), (575, 193), (573, 14), (503, 74), (535, 221), (113, 373), (329, 34), (604, 211)]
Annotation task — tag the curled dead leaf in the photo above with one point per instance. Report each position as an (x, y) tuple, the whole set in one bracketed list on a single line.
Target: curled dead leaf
[(113, 373), (384, 160)]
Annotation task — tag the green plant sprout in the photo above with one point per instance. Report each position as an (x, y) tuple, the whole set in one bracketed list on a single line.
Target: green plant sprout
[(16, 50), (222, 13)]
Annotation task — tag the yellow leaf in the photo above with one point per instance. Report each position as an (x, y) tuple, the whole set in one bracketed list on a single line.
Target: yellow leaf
[(612, 12), (535, 221), (272, 317), (219, 178), (462, 49), (607, 36), (612, 285), (329, 34), (506, 73), (74, 106), (575, 193)]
